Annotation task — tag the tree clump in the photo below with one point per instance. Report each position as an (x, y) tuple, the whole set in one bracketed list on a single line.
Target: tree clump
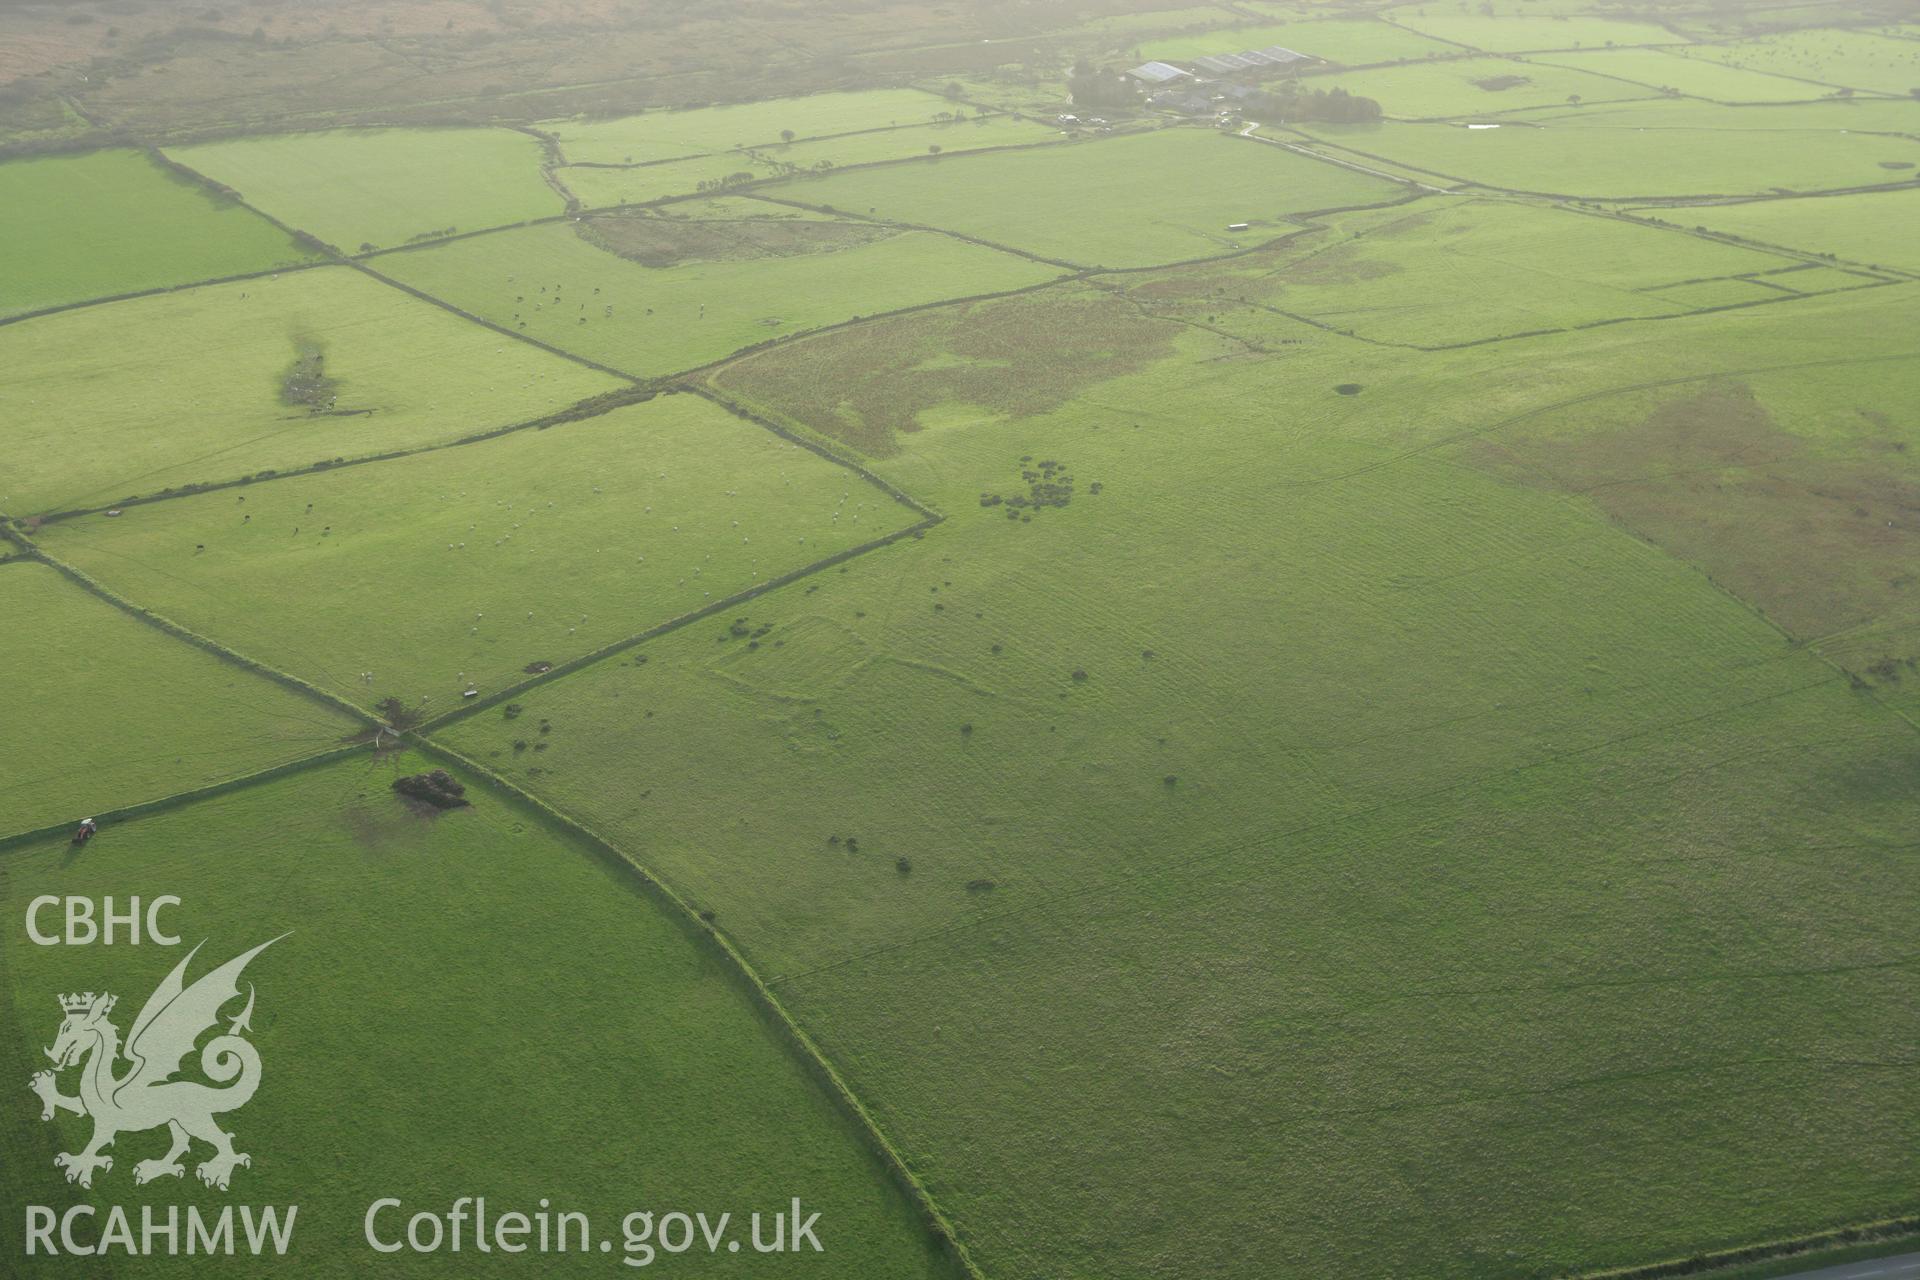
[(1049, 484), (1287, 102), (437, 788), (306, 384), (1101, 87)]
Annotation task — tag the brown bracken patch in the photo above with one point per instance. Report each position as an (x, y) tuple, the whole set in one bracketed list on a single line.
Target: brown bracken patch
[(1018, 356), (655, 241), (1819, 537)]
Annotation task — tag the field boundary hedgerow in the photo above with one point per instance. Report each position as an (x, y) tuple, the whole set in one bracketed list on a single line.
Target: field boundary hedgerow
[(1659, 91), (928, 123), (551, 159), (578, 210), (160, 289), (1785, 295), (1472, 433), (173, 800), (1308, 141), (335, 255), (1301, 218), (933, 1217), (167, 625), (1884, 1231), (476, 705), (579, 411)]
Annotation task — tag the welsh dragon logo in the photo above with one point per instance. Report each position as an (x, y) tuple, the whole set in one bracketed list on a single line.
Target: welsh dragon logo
[(147, 1096)]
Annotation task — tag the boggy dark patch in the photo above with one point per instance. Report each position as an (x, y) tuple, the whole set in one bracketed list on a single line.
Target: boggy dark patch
[(1018, 356), (306, 384), (1819, 537), (655, 241)]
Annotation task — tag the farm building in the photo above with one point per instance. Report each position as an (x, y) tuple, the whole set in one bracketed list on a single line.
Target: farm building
[(1159, 73), (1191, 102), (1249, 61)]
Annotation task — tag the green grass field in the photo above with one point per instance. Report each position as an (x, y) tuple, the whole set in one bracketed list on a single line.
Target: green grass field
[(556, 1036), (375, 188), (1154, 20), (113, 222), (1623, 163), (1476, 87), (1325, 705), (1843, 59), (1355, 43), (1442, 273), (1089, 204), (91, 690), (951, 366), (649, 321), (1697, 77), (190, 387), (1521, 33), (1873, 229), (599, 187), (663, 135), (1827, 115), (536, 547), (1594, 826)]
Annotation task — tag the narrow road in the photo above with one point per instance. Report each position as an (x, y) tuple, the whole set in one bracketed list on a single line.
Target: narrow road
[(1311, 154), (1905, 1266)]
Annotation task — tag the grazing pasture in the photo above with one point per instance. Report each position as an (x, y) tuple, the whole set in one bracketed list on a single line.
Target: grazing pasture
[(1094, 205), (1696, 77), (605, 186), (361, 189), (1331, 704), (1353, 42), (1564, 159), (535, 547), (1522, 33), (1594, 828), (668, 135), (1707, 294), (972, 134), (113, 222), (1875, 228), (1442, 272), (1825, 116), (599, 186), (1154, 20), (1006, 358), (1841, 59), (1792, 490), (104, 710), (1476, 87), (225, 381), (556, 284), (573, 1043)]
